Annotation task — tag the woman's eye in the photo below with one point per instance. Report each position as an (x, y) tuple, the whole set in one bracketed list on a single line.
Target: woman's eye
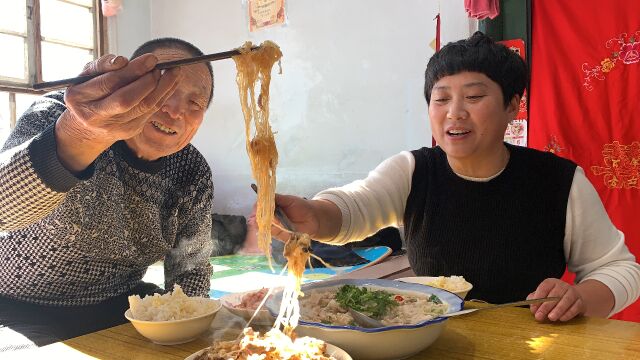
[(441, 100), (196, 104), (475, 97)]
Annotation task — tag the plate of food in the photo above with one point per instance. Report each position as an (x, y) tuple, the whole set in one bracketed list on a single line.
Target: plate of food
[(273, 345), (409, 312), (455, 284), (244, 305)]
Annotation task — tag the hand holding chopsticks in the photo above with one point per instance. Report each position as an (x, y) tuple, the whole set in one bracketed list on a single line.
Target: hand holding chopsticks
[(49, 85), (115, 106)]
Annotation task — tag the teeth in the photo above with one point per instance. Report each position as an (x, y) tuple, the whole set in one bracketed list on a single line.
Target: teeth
[(457, 132), (163, 128)]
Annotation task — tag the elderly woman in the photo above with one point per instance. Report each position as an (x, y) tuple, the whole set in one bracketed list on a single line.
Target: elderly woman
[(509, 219), (97, 183)]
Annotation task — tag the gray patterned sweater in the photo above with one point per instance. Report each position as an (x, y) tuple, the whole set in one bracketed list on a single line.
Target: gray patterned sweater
[(67, 240)]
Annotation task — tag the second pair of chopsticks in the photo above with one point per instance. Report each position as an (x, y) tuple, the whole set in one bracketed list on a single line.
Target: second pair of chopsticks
[(50, 85)]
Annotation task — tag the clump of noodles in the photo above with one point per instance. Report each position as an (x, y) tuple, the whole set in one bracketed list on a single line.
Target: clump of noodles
[(254, 66), (296, 250)]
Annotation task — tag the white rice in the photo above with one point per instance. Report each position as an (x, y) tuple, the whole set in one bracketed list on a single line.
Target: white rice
[(175, 305), (451, 283)]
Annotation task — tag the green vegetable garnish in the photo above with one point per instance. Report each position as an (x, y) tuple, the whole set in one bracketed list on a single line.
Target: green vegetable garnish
[(434, 299), (375, 303)]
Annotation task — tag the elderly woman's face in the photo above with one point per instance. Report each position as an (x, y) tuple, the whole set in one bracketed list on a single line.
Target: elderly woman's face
[(468, 116), (173, 126)]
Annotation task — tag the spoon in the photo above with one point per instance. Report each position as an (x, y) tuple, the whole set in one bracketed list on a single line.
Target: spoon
[(369, 322)]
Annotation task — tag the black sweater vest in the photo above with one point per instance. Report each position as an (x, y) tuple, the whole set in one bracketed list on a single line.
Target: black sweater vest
[(504, 236)]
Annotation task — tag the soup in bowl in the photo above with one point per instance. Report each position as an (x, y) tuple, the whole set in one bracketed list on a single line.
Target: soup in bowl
[(408, 311)]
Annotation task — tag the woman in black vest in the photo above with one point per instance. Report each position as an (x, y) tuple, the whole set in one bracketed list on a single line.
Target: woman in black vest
[(507, 218)]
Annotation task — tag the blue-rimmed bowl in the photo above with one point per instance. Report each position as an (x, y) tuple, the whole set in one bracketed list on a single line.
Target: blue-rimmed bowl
[(391, 342)]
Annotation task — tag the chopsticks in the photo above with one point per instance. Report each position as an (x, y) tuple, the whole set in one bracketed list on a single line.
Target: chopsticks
[(49, 85), (280, 215)]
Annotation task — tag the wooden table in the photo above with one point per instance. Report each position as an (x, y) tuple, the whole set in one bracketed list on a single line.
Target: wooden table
[(509, 333)]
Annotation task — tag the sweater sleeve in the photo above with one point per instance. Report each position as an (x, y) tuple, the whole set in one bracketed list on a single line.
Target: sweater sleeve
[(187, 263), (375, 202), (33, 182), (595, 249)]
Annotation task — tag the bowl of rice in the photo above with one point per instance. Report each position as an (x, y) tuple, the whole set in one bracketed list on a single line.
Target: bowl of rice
[(455, 284), (171, 318)]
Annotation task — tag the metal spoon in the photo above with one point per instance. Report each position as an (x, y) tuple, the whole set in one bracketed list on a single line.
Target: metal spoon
[(369, 322)]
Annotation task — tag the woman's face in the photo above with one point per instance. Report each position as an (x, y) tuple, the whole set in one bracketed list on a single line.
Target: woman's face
[(468, 116), (173, 126)]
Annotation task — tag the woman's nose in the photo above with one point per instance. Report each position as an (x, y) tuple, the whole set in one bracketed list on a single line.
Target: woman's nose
[(456, 110)]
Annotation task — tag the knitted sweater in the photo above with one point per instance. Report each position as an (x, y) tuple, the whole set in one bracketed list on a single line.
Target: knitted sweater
[(505, 236), (67, 240), (593, 247)]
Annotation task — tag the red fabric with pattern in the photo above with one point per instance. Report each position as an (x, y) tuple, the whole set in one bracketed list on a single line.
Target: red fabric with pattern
[(584, 102)]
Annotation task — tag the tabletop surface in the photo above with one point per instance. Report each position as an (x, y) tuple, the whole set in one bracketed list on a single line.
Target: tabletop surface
[(509, 333)]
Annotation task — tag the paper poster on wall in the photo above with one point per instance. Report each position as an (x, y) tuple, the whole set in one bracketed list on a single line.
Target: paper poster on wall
[(265, 13), (516, 133)]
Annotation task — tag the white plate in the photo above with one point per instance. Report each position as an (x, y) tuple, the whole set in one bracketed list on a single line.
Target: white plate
[(331, 350), (230, 300), (426, 280)]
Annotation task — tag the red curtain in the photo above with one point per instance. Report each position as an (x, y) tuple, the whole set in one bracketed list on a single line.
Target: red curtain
[(585, 100)]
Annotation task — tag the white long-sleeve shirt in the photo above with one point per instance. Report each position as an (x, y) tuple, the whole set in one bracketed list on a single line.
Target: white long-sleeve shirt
[(593, 247)]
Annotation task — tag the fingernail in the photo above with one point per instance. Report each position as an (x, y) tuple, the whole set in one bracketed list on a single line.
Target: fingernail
[(116, 60)]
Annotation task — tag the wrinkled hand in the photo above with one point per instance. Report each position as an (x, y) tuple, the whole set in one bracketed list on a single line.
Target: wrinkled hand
[(570, 305), (116, 105)]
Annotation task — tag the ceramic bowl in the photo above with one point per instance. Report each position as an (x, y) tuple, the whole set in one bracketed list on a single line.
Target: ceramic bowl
[(430, 280), (391, 342), (230, 301), (331, 350), (174, 331)]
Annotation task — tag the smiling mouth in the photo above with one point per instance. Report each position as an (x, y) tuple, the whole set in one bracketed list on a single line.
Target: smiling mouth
[(455, 133), (163, 128)]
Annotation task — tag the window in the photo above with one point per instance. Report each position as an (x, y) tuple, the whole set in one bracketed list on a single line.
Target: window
[(43, 40)]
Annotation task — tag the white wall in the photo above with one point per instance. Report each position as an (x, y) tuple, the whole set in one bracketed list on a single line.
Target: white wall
[(130, 28), (350, 94)]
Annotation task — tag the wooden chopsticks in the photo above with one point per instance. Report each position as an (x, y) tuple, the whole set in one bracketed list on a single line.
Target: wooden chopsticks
[(49, 85)]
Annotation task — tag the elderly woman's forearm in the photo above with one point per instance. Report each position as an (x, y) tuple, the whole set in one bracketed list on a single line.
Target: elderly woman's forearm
[(25, 197), (75, 148)]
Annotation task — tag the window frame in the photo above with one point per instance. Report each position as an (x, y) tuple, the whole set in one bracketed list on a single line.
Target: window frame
[(34, 53)]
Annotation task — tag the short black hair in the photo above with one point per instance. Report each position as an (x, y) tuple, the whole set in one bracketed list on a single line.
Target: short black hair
[(174, 43), (479, 53)]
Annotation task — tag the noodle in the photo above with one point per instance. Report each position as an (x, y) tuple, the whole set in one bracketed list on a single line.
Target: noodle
[(254, 66), (296, 250)]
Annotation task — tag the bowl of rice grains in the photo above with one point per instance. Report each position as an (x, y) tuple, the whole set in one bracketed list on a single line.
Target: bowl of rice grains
[(172, 318)]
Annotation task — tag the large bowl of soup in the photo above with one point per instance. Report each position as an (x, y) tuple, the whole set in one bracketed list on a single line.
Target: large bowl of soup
[(409, 312)]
